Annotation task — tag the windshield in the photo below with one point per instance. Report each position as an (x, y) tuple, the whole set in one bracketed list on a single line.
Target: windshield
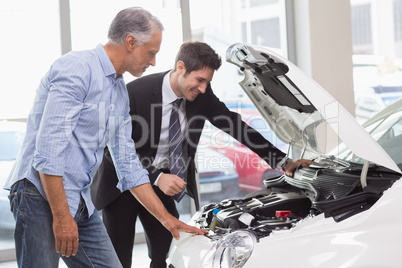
[(388, 133)]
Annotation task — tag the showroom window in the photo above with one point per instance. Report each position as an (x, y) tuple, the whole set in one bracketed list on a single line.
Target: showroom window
[(266, 33), (377, 49), (256, 3), (31, 41), (398, 19), (87, 33), (362, 29)]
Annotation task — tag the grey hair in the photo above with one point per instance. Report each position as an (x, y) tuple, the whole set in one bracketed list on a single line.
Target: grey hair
[(135, 21)]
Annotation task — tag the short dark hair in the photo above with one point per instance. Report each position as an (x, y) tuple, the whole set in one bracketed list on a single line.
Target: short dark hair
[(196, 56)]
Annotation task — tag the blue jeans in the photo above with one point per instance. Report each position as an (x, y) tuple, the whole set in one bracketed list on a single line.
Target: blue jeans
[(34, 239)]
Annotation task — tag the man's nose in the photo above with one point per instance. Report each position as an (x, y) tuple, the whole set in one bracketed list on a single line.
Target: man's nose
[(202, 88), (152, 61)]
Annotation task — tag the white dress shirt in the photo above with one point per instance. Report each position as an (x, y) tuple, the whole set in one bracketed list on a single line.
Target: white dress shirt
[(168, 96)]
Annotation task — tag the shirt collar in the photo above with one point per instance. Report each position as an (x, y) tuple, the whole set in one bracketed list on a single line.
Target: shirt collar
[(107, 66), (168, 95)]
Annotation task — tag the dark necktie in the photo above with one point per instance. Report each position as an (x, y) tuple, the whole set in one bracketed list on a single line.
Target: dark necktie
[(175, 146)]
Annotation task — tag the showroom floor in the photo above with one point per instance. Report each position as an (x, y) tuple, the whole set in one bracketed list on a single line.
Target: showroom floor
[(140, 259)]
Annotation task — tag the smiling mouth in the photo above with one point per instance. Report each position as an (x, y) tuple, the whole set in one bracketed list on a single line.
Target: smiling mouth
[(194, 92)]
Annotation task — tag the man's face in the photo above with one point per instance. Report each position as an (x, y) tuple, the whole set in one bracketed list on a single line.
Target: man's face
[(194, 83), (143, 56)]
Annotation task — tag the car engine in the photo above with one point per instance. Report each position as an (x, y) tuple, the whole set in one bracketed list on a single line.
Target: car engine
[(331, 187)]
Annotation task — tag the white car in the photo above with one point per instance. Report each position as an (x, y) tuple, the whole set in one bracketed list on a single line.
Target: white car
[(342, 211)]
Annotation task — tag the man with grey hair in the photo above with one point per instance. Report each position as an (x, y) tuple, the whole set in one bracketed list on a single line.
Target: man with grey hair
[(81, 105)]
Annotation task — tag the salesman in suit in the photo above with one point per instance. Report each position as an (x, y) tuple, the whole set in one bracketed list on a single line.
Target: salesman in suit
[(151, 106)]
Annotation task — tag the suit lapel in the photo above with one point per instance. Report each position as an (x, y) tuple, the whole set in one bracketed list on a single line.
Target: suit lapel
[(189, 110)]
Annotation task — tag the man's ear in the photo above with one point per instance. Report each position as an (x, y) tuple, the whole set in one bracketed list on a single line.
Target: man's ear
[(130, 42), (180, 67)]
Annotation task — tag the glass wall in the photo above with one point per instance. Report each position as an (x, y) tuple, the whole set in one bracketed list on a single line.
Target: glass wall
[(30, 42), (377, 48), (90, 22)]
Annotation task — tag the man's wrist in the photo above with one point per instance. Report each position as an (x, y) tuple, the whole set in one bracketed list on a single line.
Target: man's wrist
[(157, 179)]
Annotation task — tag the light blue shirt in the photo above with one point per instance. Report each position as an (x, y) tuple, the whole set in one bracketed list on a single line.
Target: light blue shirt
[(79, 108)]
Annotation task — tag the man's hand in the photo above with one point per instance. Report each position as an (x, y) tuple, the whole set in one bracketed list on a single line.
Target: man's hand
[(147, 197), (65, 229), (66, 235), (171, 184), (291, 166), (175, 226)]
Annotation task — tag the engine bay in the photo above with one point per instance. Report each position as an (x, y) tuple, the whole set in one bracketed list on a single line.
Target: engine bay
[(330, 187)]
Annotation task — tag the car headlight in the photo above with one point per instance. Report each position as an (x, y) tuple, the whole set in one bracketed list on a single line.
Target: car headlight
[(232, 251)]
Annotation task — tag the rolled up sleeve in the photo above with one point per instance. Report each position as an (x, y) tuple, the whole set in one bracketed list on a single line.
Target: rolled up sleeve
[(66, 92), (128, 166)]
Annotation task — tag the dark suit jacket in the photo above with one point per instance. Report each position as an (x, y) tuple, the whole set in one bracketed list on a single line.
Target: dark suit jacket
[(145, 108)]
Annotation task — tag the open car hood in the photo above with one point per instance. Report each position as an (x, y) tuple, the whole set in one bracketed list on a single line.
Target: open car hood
[(299, 111)]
